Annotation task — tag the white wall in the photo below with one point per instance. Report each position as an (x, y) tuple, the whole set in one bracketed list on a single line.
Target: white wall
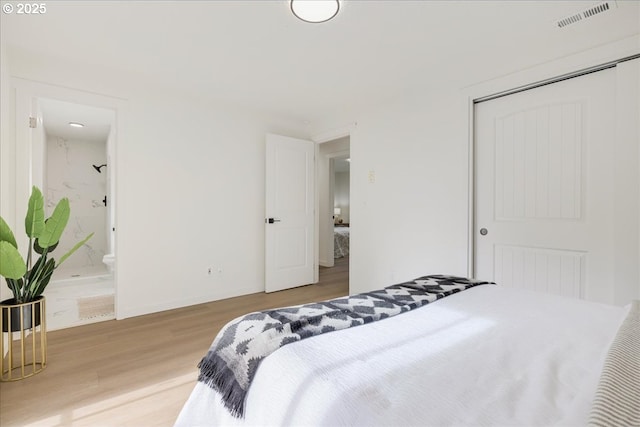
[(190, 188), (626, 209), (190, 196), (412, 219)]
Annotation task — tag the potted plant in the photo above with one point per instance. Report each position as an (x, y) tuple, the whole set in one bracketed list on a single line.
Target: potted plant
[(27, 281)]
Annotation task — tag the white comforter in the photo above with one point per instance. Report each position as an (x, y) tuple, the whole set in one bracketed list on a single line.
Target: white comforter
[(487, 356)]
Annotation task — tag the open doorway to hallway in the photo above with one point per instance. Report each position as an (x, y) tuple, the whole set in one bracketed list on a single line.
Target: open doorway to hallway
[(334, 206)]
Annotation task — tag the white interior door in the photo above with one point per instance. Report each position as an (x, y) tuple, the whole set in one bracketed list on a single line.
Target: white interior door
[(289, 223), (545, 214)]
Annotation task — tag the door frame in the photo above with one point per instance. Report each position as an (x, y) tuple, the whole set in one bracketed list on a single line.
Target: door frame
[(556, 70), (28, 92)]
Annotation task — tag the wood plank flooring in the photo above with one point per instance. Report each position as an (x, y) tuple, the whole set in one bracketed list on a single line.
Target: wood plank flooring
[(137, 372)]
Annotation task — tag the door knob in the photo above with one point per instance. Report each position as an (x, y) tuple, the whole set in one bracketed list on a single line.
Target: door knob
[(483, 231), (272, 220)]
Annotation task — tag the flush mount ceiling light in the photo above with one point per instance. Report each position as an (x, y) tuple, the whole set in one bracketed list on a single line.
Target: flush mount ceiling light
[(315, 11), (76, 125)]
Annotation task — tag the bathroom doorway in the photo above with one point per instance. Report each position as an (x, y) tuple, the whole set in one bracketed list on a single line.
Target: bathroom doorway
[(74, 152), (68, 141), (76, 166)]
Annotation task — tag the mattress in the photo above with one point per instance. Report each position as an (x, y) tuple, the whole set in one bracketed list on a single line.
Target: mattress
[(486, 356)]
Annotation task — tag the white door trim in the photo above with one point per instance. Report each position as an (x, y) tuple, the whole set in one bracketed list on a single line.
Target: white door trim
[(335, 133), (547, 71)]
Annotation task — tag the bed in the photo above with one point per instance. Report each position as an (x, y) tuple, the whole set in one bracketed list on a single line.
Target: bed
[(340, 241), (487, 356)]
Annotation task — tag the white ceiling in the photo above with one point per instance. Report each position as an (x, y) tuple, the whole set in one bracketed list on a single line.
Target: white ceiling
[(257, 54), (57, 115)]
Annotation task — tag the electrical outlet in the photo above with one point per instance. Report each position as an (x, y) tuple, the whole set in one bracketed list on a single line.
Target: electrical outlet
[(372, 176)]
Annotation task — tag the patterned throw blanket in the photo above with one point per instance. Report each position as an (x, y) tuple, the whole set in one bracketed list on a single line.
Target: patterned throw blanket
[(234, 356)]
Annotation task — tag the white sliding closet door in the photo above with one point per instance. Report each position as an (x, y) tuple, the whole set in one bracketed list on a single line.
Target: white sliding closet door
[(548, 195)]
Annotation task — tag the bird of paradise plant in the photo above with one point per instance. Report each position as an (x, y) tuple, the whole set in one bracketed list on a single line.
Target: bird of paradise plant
[(28, 279)]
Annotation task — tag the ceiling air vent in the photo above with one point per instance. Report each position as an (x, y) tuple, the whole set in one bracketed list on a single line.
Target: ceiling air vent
[(599, 8), (570, 20)]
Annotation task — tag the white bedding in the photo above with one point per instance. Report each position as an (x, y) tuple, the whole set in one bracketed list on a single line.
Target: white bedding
[(486, 356)]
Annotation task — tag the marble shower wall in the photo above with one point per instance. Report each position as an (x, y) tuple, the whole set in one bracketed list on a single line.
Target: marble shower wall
[(70, 173)]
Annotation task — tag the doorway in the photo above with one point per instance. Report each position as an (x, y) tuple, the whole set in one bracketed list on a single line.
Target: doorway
[(70, 152), (76, 139), (76, 166), (334, 186)]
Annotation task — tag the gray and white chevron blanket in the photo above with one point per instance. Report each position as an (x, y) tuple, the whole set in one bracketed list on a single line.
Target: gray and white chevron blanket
[(238, 349)]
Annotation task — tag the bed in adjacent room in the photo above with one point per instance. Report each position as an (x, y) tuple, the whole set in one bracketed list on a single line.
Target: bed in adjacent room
[(482, 354), (340, 241)]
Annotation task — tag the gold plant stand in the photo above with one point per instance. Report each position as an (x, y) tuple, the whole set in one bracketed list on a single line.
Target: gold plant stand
[(23, 347)]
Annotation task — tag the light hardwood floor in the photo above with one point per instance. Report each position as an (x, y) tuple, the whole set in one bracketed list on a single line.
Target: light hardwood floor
[(137, 372)]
